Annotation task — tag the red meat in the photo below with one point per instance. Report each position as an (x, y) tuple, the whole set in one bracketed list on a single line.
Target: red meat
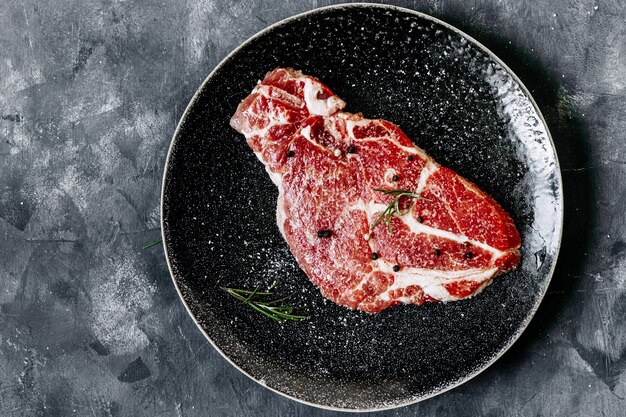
[(328, 165)]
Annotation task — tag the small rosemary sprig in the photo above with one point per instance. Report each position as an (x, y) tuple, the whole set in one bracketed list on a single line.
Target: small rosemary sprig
[(394, 208), (257, 300)]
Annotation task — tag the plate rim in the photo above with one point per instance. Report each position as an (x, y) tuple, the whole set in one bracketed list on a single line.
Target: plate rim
[(493, 56)]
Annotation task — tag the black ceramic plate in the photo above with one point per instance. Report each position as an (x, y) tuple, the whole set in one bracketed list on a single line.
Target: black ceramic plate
[(459, 103)]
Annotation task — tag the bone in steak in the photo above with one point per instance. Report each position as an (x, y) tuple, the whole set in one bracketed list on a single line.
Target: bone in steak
[(327, 164)]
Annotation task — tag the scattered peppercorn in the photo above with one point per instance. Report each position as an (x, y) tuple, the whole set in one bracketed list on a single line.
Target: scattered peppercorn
[(323, 233), (351, 149), (290, 154), (396, 268), (411, 157), (374, 256), (395, 178), (420, 219), (437, 252), (469, 255)]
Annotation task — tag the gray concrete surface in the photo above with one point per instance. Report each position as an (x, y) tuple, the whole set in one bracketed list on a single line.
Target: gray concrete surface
[(90, 93)]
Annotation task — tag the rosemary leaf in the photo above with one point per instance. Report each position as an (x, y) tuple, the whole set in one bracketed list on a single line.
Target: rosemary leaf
[(256, 300), (151, 244), (239, 291), (393, 208)]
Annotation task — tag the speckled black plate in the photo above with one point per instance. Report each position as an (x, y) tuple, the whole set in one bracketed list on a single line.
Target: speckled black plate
[(459, 103)]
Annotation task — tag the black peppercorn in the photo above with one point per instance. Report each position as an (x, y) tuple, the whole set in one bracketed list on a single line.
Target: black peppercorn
[(420, 219), (411, 157), (469, 255), (374, 255), (437, 252), (323, 233), (395, 178), (290, 154), (351, 149), (396, 268)]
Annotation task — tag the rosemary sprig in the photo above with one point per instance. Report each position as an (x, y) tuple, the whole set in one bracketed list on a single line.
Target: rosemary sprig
[(257, 300), (151, 244), (394, 208)]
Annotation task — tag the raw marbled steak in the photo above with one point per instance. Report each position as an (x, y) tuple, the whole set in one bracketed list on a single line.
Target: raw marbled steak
[(328, 165)]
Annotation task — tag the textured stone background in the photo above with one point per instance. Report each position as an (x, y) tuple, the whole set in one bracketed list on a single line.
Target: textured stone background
[(90, 93)]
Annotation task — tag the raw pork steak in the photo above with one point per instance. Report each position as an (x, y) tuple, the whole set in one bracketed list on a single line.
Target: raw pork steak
[(327, 165)]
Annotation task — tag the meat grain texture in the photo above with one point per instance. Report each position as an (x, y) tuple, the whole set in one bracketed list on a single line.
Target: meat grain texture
[(330, 166)]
